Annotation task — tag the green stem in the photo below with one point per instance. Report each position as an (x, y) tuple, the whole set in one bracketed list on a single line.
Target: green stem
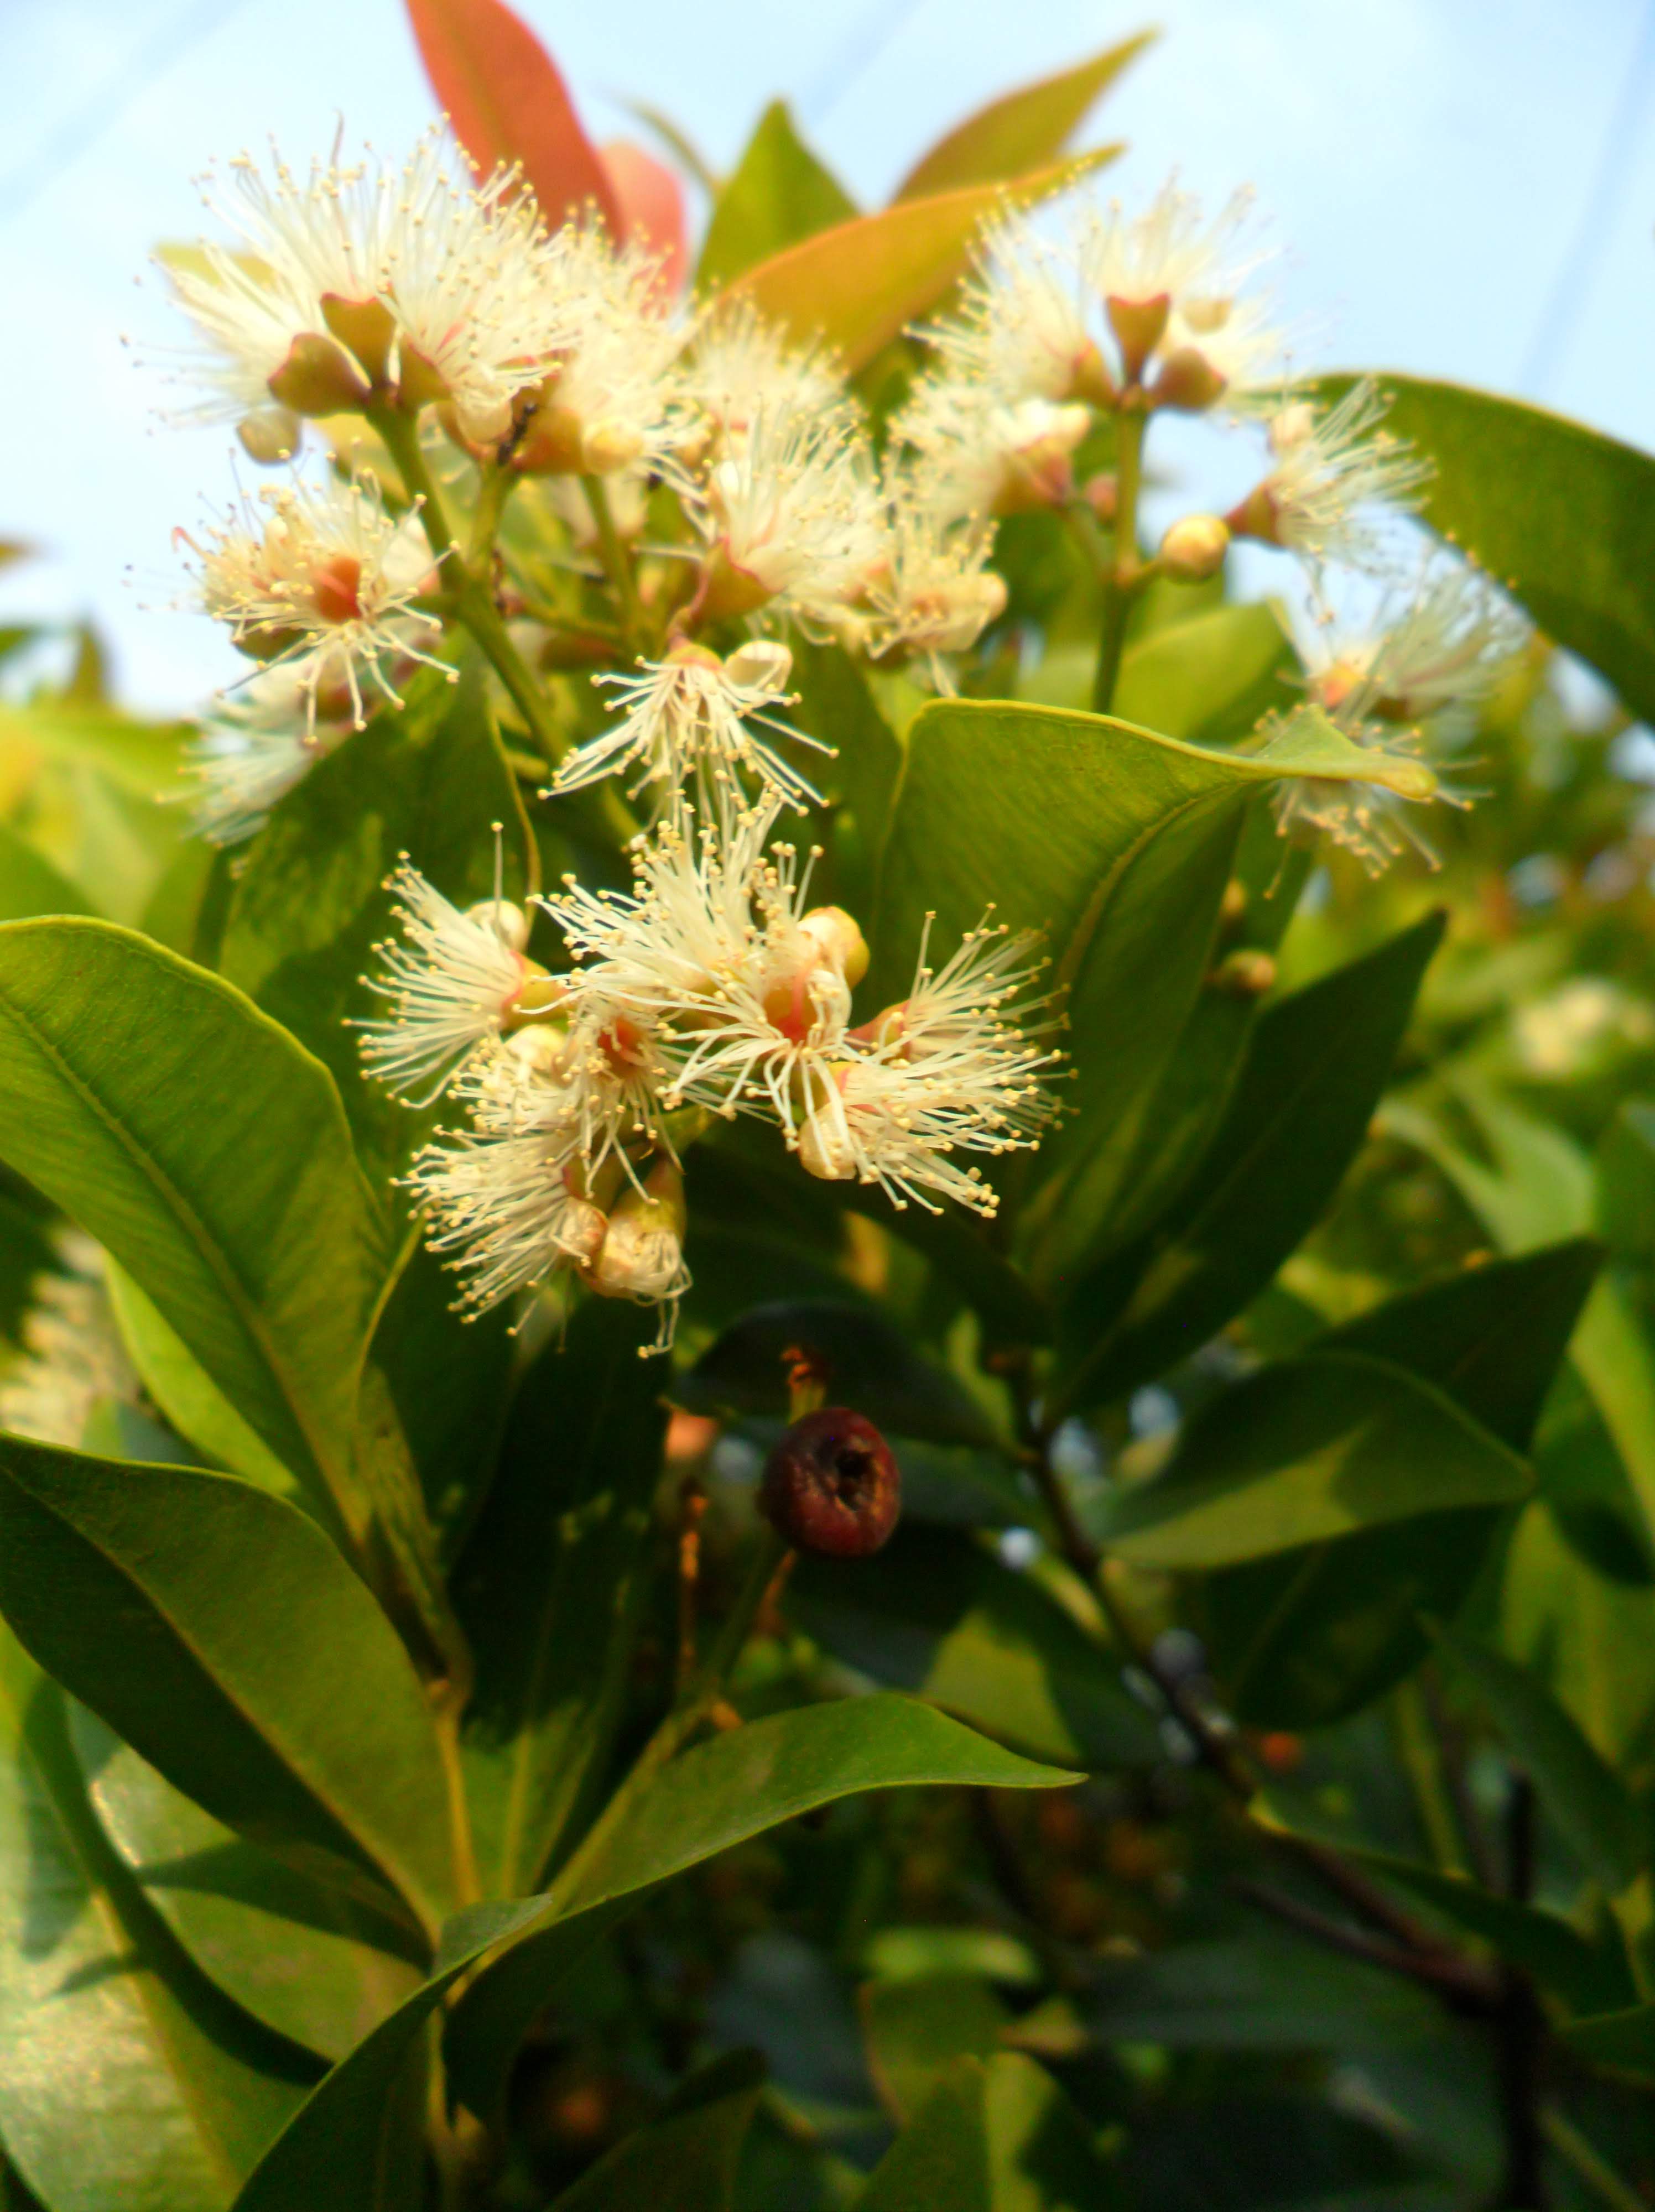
[(495, 486), (703, 1693), (1123, 586), (1571, 2147), (618, 562)]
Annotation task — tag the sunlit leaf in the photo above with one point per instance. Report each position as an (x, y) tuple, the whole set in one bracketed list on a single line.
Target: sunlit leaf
[(1021, 129)]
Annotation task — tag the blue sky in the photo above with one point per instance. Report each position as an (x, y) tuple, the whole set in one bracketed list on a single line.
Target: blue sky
[(1429, 166)]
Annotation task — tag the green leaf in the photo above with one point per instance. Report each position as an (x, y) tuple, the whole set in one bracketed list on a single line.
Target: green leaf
[(207, 1151), (191, 1402), (1117, 844), (1314, 1070), (685, 2160), (858, 286), (1208, 679), (1583, 1795), (314, 1965), (1624, 2041), (220, 1632), (1304, 1638), (30, 885), (1016, 132), (999, 2136), (1263, 1993), (550, 1586), (449, 1380), (837, 706), (778, 193), (310, 903), (916, 2029), (125, 2079), (1625, 1211), (1311, 1448), (870, 1365), (717, 1795), (1562, 514), (936, 1613)]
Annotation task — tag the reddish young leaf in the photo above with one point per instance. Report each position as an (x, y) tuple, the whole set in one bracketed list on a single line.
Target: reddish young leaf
[(507, 102), (651, 202)]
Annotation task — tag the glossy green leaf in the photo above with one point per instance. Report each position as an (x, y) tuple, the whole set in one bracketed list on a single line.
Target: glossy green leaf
[(1625, 1211), (1308, 1449), (550, 1586), (1208, 679), (999, 2136), (207, 1151), (317, 1966), (220, 1632), (1624, 2041), (1303, 1638), (449, 1379), (778, 192), (183, 1390), (916, 2029), (837, 706), (1021, 129), (936, 1613), (1313, 1072), (30, 885), (858, 286), (125, 2079), (1581, 1793), (686, 2160), (869, 1363), (717, 1795), (737, 1786), (310, 902), (1262, 1992), (1562, 513), (1116, 844)]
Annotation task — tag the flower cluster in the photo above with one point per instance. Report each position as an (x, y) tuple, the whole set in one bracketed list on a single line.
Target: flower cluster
[(534, 440), (712, 987)]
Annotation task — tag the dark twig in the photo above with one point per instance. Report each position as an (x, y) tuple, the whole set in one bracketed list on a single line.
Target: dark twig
[(1468, 1987)]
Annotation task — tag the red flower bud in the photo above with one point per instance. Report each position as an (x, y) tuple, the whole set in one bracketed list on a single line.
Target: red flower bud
[(831, 1486)]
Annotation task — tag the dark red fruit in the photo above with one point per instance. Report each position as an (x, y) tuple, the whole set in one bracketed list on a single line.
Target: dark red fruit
[(831, 1485)]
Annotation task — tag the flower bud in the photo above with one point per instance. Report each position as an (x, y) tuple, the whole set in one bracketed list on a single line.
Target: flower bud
[(606, 446), (825, 1150), (583, 1230), (1194, 550), (1139, 326), (1188, 382), (831, 1485), (1247, 973), (840, 938), (763, 662), (642, 1252), (268, 435), (508, 920)]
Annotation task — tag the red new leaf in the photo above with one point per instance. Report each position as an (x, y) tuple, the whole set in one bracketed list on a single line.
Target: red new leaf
[(507, 102), (651, 201)]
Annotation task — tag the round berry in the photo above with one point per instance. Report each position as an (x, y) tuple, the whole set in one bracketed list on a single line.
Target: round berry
[(831, 1485)]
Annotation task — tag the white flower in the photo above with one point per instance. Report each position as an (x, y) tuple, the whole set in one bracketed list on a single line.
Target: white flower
[(956, 1067), (256, 744), (368, 281), (1371, 819), (976, 448), (1173, 285), (455, 980), (1443, 655), (791, 517), (1336, 473), (73, 1357), (1026, 324), (692, 712), (324, 584), (934, 594), (739, 367), (505, 1207), (613, 400)]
